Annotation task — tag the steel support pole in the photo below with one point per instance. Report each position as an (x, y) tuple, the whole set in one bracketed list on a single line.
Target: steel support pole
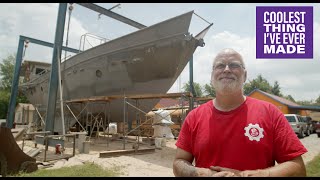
[(14, 87), (53, 85), (111, 14), (48, 44), (124, 121), (191, 83)]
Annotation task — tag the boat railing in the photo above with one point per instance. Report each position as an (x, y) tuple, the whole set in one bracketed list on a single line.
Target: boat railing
[(65, 58), (84, 39), (201, 34)]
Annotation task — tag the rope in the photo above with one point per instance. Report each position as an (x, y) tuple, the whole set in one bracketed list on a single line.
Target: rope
[(27, 73), (67, 38), (26, 42), (201, 18)]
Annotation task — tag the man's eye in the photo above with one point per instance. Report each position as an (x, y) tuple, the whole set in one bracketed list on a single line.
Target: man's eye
[(234, 65), (220, 66)]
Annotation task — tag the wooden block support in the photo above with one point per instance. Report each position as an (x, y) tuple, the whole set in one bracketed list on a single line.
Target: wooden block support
[(124, 152), (115, 136), (149, 141)]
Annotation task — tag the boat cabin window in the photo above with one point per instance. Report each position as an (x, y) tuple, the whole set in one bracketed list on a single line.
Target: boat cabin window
[(39, 70)]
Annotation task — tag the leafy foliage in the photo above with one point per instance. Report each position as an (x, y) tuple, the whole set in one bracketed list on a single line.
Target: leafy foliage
[(6, 75), (6, 72), (209, 90), (318, 101), (4, 103), (197, 88), (276, 90), (289, 97), (257, 83)]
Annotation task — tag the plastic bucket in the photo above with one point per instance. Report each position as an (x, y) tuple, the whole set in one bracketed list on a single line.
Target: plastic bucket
[(58, 148), (86, 147)]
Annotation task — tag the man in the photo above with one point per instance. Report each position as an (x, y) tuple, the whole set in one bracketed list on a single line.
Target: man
[(235, 135)]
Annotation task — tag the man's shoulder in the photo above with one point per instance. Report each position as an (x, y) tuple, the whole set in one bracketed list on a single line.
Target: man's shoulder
[(260, 103), (252, 100), (202, 107)]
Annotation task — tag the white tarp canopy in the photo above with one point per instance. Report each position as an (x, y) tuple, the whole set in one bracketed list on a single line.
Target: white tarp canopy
[(161, 124), (162, 117)]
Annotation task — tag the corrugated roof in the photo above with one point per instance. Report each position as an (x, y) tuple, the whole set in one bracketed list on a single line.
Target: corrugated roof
[(312, 108), (287, 102), (276, 98), (165, 103)]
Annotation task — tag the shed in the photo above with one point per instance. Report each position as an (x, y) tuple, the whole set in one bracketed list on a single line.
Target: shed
[(315, 115), (286, 106), (24, 113)]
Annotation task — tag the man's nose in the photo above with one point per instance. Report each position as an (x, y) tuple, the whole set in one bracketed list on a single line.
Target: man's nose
[(226, 68)]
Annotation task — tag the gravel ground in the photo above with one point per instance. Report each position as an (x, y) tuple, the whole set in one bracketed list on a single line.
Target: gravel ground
[(312, 143), (154, 164)]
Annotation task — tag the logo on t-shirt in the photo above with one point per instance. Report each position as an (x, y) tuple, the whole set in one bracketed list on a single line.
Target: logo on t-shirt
[(253, 132)]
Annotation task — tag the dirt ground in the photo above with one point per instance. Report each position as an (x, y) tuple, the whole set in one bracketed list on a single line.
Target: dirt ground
[(157, 163), (154, 164)]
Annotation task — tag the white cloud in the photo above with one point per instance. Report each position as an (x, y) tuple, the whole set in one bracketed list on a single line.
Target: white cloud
[(299, 78), (36, 21), (234, 27)]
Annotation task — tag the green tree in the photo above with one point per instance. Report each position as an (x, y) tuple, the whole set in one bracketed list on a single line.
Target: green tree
[(6, 72), (4, 103), (6, 75), (196, 86), (317, 102), (258, 83), (209, 90), (276, 89), (290, 98)]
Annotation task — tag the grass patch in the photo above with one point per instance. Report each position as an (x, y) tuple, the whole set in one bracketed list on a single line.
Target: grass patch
[(93, 170), (313, 167), (85, 170)]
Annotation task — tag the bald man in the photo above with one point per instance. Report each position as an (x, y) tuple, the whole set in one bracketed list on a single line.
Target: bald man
[(235, 135)]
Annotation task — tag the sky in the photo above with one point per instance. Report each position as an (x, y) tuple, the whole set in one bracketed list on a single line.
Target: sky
[(234, 26)]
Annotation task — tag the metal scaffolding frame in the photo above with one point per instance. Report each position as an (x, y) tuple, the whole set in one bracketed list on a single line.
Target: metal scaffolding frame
[(92, 120), (108, 101), (142, 97)]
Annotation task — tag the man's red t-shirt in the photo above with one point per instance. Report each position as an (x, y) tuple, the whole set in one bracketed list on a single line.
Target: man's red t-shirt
[(252, 136)]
